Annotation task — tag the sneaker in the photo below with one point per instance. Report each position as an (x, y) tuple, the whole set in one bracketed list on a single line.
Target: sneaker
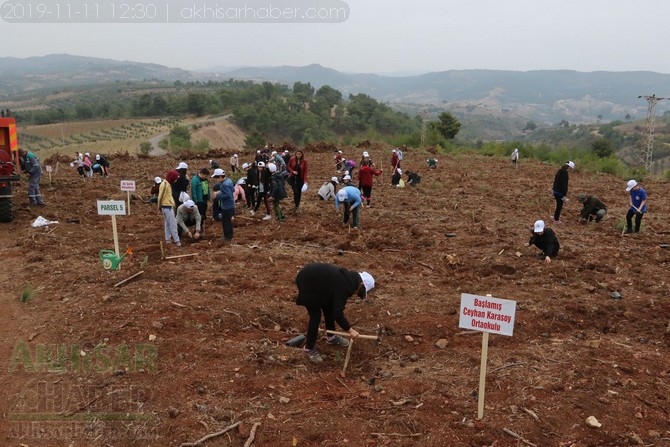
[(178, 244), (313, 355), (267, 217), (628, 231), (297, 210), (252, 212), (337, 340)]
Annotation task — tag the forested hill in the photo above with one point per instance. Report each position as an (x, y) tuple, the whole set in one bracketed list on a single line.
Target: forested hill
[(548, 96)]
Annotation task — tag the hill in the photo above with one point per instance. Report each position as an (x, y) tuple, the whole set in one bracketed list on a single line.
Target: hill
[(195, 344), (546, 96)]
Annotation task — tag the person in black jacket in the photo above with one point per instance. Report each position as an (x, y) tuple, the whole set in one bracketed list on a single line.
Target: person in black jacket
[(181, 185), (325, 288), (592, 208), (560, 188), (544, 239)]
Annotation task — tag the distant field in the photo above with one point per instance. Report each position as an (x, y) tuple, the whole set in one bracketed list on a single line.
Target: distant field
[(104, 136)]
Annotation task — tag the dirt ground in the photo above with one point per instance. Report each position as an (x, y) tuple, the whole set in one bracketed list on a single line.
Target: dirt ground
[(196, 344)]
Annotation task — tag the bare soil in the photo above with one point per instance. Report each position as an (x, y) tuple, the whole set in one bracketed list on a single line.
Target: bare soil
[(82, 366)]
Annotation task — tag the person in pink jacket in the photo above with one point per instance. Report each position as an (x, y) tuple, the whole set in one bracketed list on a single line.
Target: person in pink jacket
[(297, 176)]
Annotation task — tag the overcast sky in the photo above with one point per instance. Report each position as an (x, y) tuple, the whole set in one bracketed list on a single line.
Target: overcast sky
[(389, 36)]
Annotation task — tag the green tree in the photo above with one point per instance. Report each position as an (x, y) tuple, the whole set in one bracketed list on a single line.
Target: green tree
[(145, 148), (180, 137), (602, 147), (530, 126), (253, 140), (447, 125)]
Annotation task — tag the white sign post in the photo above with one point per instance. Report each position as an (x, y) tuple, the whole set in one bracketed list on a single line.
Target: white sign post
[(113, 208), (487, 315), (49, 170), (128, 185)]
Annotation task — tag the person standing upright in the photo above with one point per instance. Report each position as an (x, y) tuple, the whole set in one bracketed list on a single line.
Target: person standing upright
[(31, 165), (637, 206), (234, 164), (166, 206), (515, 157), (200, 192), (297, 170), (560, 188), (226, 202), (181, 184)]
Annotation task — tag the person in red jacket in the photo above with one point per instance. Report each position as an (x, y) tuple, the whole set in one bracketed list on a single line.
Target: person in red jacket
[(365, 179), (297, 176)]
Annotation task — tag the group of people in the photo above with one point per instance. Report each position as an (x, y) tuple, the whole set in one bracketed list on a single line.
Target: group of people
[(593, 210), (86, 167)]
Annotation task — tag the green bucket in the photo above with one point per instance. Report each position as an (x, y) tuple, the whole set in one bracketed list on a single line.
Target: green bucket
[(110, 261)]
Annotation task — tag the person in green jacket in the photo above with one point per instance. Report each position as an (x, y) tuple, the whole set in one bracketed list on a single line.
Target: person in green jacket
[(592, 208), (200, 192)]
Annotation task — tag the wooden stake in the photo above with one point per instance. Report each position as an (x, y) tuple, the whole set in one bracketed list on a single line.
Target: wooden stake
[(116, 235), (162, 250), (181, 256), (346, 359), (129, 278), (482, 375)]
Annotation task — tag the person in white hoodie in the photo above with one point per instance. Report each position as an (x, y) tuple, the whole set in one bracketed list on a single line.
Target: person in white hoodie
[(327, 190)]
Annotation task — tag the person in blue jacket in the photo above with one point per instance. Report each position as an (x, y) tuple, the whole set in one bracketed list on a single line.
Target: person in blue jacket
[(31, 165), (350, 197), (637, 205), (226, 202)]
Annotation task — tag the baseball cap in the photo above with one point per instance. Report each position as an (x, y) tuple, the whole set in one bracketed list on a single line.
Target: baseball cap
[(335, 179), (245, 165), (218, 172), (538, 227), (182, 165), (242, 181), (365, 154), (261, 164), (97, 156), (571, 164), (630, 185), (272, 167), (341, 195), (346, 177), (368, 282), (189, 204), (158, 180)]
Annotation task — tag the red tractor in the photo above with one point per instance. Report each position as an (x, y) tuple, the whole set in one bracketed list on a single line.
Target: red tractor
[(9, 166)]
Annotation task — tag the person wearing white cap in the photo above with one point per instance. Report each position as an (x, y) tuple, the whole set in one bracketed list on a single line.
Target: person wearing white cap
[(515, 157), (187, 216), (545, 239), (339, 161), (325, 289), (264, 185), (154, 189), (432, 163), (277, 190), (234, 164), (88, 164), (560, 188), (637, 206), (101, 165), (350, 197), (225, 202), (181, 185), (327, 190)]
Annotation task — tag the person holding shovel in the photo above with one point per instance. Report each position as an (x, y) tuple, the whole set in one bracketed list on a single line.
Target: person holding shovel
[(325, 289), (637, 206)]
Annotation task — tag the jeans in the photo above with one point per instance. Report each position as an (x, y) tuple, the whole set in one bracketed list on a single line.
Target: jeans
[(170, 224), (629, 220), (559, 207), (227, 223), (315, 321)]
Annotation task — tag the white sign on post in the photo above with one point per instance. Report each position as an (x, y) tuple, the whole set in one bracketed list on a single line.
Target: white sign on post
[(113, 208), (128, 185), (488, 315)]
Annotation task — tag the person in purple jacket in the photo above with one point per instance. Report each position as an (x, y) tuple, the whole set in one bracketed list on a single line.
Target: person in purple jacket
[(325, 289)]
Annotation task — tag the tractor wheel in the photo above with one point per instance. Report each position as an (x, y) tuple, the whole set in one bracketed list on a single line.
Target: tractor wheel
[(6, 211)]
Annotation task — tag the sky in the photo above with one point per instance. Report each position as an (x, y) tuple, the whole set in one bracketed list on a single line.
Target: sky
[(374, 36)]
